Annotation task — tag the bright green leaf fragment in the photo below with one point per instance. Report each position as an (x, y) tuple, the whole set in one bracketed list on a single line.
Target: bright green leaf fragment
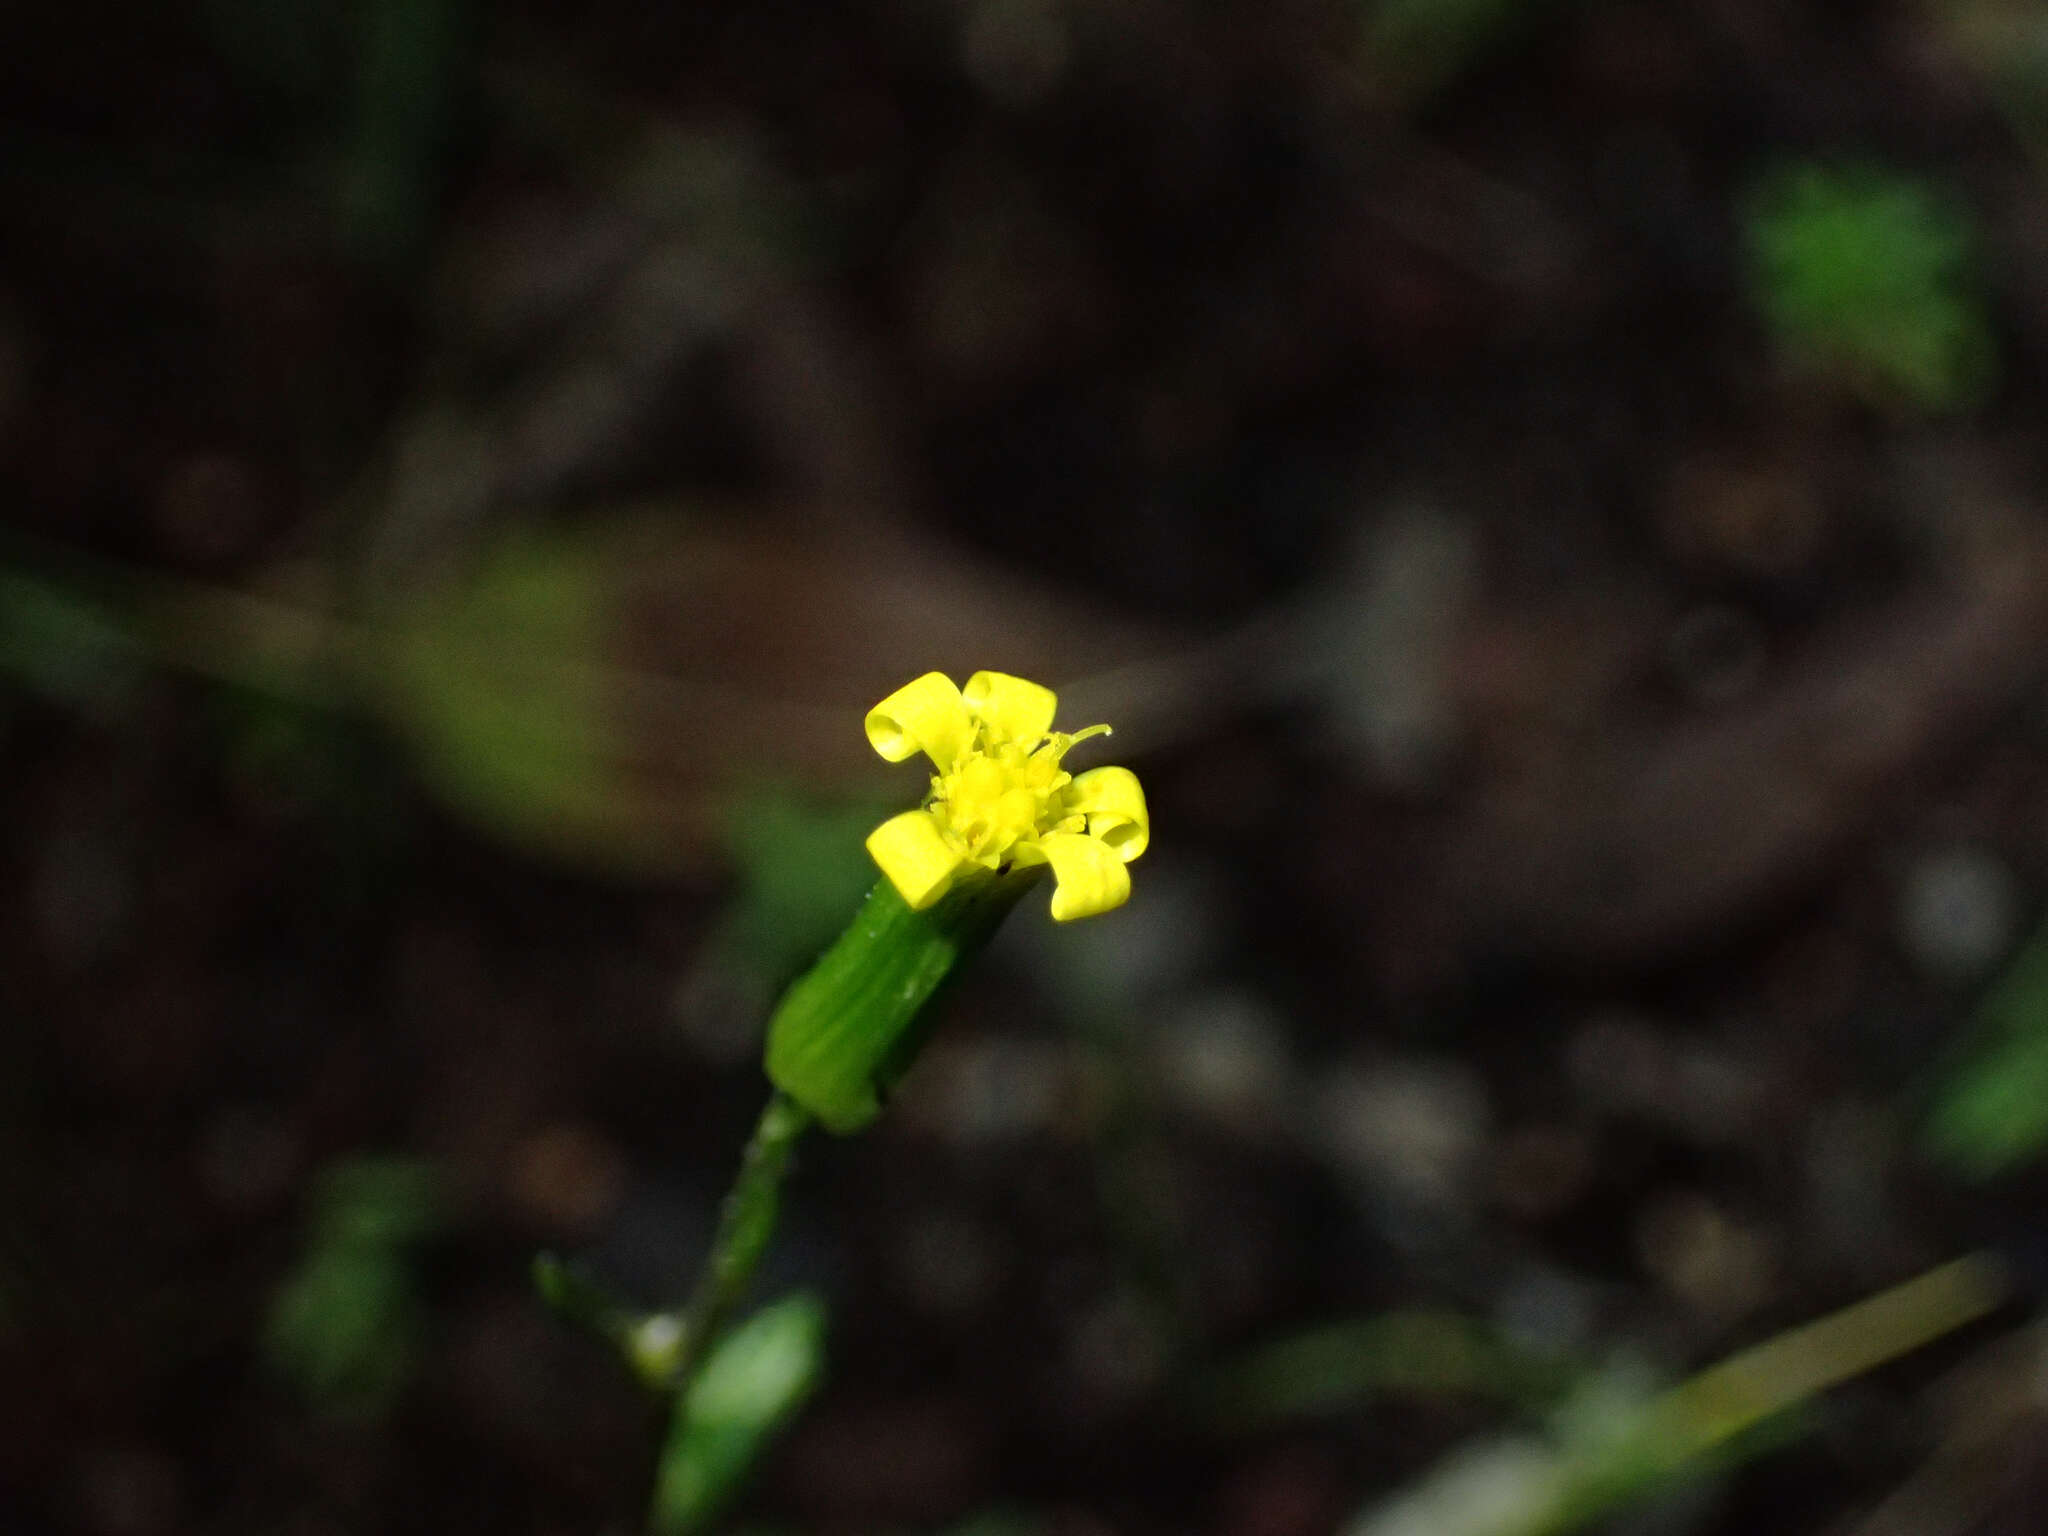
[(1868, 277), (752, 1383), (1992, 1110)]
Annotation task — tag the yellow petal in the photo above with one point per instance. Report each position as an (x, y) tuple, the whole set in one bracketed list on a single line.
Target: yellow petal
[(926, 715), (1090, 877), (1114, 804), (1011, 707), (912, 851)]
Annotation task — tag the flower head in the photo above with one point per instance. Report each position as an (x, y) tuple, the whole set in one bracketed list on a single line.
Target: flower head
[(1000, 798)]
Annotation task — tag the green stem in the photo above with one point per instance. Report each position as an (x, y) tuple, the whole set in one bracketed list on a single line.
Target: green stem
[(745, 1223)]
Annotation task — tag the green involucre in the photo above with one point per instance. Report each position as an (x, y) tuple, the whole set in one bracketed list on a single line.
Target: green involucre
[(850, 1026)]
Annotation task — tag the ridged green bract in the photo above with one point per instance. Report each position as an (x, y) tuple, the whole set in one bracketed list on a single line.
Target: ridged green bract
[(852, 1024)]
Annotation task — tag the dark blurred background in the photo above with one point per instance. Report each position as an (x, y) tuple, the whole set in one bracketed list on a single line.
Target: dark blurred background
[(1551, 496)]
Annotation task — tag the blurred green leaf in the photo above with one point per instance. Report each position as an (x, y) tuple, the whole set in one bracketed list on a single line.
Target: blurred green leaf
[(343, 1330), (409, 56), (499, 684), (1348, 1365), (376, 1202), (803, 867), (65, 646), (1991, 1111), (575, 1297), (754, 1380), (1414, 47), (2006, 41), (1617, 1445), (1868, 276), (344, 1326)]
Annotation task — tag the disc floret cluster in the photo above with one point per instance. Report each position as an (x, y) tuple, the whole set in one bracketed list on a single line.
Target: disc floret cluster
[(1001, 797)]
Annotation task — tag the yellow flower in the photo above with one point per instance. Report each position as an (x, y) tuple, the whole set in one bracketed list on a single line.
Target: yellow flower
[(1000, 797)]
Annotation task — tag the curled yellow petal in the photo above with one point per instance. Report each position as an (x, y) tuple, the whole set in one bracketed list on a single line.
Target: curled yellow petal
[(1011, 707), (925, 715), (1089, 875), (913, 852), (1114, 804)]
